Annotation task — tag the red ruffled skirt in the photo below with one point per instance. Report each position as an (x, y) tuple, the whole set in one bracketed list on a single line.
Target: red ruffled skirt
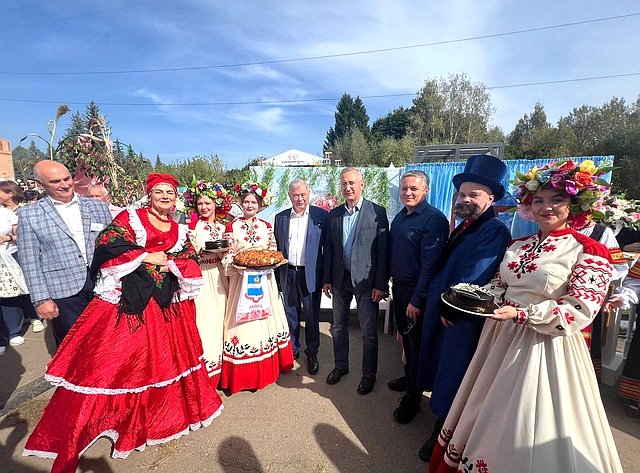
[(137, 388)]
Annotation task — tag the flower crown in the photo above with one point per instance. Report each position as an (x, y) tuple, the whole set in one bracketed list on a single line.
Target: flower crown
[(258, 189), (214, 191), (582, 180)]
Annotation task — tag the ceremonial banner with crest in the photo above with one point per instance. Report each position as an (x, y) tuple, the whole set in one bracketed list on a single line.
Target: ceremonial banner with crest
[(254, 302)]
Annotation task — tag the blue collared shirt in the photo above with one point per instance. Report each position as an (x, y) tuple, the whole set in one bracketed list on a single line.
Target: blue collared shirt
[(417, 241), (349, 220)]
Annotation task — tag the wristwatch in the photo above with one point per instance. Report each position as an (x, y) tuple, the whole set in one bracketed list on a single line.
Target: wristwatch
[(40, 302)]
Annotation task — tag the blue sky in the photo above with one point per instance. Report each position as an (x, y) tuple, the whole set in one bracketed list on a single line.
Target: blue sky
[(116, 35)]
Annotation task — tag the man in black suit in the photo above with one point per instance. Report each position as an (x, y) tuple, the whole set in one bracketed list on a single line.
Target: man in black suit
[(300, 233), (356, 264)]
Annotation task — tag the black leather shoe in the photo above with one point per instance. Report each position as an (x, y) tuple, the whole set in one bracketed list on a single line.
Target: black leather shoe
[(366, 384), (398, 384), (312, 364), (296, 355), (408, 408), (336, 375), (427, 448)]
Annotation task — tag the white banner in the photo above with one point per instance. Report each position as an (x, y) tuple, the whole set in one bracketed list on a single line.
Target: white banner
[(254, 302)]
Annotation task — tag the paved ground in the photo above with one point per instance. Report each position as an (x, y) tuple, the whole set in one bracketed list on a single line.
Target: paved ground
[(298, 424)]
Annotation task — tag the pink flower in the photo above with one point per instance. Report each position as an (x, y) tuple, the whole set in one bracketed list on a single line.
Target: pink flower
[(570, 187), (558, 180)]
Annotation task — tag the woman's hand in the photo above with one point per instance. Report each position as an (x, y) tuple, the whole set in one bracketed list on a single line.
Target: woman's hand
[(158, 258), (505, 313), (632, 248)]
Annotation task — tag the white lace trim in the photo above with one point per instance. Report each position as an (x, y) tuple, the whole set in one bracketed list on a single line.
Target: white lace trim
[(59, 381), (189, 287), (182, 238), (121, 454), (138, 228), (109, 283), (39, 453)]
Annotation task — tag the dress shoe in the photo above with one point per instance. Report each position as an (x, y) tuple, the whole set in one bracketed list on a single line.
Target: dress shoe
[(312, 364), (408, 408), (366, 384), (427, 448), (398, 384), (336, 375)]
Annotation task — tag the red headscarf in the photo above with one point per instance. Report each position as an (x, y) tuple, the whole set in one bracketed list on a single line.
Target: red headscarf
[(155, 178)]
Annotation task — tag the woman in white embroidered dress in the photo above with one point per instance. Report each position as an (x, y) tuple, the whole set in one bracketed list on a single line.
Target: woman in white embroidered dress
[(130, 367), (529, 401), (255, 352), (212, 203)]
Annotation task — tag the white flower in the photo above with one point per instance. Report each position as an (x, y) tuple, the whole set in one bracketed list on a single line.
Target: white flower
[(532, 185)]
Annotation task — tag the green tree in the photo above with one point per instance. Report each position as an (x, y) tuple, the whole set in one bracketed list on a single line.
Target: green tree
[(24, 159), (350, 115), (451, 110), (396, 151), (353, 150), (594, 126), (393, 125)]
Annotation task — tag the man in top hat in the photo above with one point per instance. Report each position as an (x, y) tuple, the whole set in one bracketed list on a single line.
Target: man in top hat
[(472, 254)]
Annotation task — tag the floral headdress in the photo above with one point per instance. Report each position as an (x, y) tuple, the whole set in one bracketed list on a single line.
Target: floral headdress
[(214, 191), (582, 180), (258, 189)]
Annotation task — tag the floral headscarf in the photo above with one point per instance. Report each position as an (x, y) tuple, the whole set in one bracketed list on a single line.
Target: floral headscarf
[(256, 188), (583, 181), (215, 192)]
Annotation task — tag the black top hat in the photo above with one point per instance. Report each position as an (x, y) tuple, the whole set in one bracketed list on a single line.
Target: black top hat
[(483, 169)]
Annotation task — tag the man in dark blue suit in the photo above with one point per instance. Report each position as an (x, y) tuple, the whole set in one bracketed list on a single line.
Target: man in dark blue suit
[(472, 254), (356, 265), (418, 235), (300, 233)]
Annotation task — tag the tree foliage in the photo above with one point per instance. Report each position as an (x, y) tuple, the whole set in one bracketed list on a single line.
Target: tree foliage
[(451, 110), (209, 168), (393, 125), (350, 115), (353, 150)]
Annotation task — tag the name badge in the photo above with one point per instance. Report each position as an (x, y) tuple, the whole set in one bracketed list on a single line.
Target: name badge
[(97, 227)]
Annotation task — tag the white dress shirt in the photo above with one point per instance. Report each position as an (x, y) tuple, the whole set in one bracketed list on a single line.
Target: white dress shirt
[(72, 217), (297, 236)]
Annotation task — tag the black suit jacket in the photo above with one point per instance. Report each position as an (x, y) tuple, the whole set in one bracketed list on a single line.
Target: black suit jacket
[(369, 253), (313, 246)]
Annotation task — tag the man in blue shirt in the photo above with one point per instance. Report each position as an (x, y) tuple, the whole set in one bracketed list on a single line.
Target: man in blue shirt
[(418, 235), (356, 265)]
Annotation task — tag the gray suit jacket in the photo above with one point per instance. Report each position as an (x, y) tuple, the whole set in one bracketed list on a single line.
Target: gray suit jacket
[(369, 253), (51, 261)]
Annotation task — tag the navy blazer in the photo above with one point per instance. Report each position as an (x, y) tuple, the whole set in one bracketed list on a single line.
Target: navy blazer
[(369, 253), (313, 246)]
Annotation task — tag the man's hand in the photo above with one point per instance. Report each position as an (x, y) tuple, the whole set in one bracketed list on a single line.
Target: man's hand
[(446, 322), (377, 295), (412, 311), (327, 289), (47, 310)]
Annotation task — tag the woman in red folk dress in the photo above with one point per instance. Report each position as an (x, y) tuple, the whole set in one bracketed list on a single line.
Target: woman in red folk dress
[(131, 367), (529, 401), (256, 351)]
